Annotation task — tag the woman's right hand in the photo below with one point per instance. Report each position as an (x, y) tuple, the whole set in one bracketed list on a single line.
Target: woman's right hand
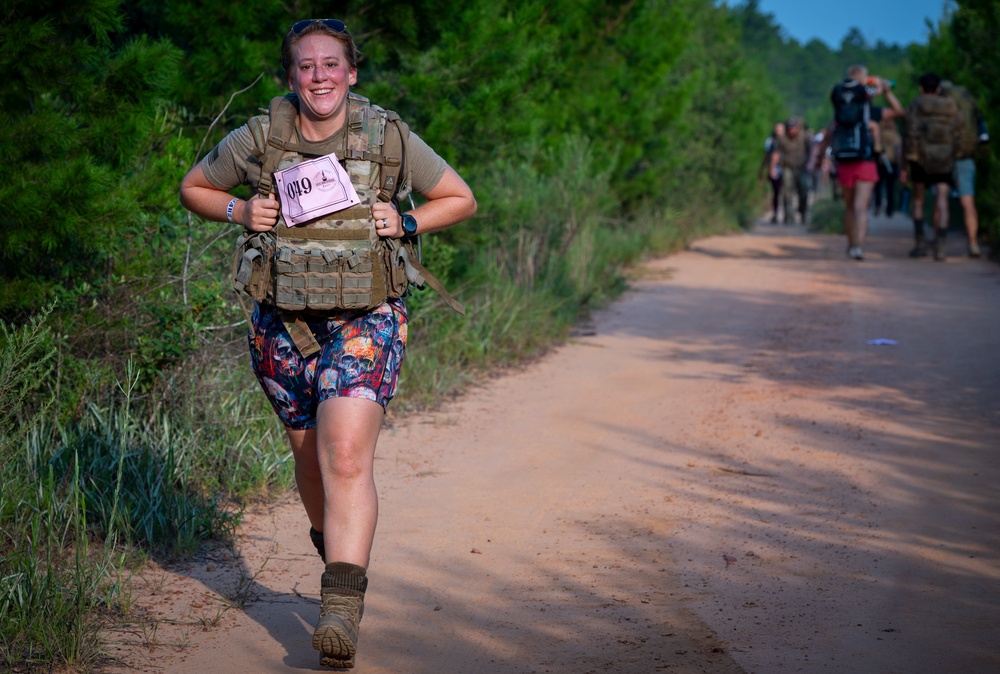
[(201, 197), (259, 214)]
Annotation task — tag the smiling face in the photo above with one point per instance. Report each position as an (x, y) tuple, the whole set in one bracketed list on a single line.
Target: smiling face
[(322, 76)]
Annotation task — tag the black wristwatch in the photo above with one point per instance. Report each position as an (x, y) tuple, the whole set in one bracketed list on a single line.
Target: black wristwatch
[(409, 224)]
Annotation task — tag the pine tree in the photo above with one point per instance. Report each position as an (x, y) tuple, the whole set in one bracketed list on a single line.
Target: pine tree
[(84, 120)]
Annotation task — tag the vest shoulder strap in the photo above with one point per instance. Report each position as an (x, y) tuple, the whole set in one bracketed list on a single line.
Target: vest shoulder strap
[(270, 143), (380, 136), (395, 172)]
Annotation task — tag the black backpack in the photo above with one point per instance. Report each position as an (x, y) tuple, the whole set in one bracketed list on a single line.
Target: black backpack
[(852, 140)]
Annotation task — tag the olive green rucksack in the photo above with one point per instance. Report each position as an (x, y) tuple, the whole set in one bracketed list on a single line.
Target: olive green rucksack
[(931, 129), (970, 114)]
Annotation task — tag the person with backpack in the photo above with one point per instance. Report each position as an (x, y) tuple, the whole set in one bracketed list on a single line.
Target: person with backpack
[(773, 173), (934, 128), (964, 174), (789, 159), (852, 146), (888, 153), (328, 328), (815, 164)]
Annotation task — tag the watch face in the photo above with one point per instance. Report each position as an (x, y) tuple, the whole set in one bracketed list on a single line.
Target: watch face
[(409, 224)]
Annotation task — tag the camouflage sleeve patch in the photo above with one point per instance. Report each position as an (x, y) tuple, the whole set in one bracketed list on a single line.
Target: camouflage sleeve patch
[(226, 165)]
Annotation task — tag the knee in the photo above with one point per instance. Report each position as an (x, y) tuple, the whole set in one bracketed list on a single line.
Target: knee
[(345, 460)]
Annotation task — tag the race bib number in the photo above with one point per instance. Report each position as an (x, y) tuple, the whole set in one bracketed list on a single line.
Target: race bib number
[(314, 188)]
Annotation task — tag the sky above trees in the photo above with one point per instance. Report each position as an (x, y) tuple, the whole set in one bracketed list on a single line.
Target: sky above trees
[(892, 21)]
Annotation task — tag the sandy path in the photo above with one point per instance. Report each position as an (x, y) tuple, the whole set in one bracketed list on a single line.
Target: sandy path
[(723, 478)]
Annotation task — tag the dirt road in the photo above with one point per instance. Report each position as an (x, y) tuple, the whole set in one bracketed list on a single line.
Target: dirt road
[(724, 477)]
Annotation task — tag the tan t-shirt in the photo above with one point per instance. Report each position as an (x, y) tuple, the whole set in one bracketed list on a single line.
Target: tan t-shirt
[(226, 165), (794, 151)]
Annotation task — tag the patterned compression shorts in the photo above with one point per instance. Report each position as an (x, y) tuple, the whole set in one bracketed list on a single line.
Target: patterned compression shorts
[(360, 356)]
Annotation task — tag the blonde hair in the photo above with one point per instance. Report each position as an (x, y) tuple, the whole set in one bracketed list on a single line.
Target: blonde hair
[(857, 71)]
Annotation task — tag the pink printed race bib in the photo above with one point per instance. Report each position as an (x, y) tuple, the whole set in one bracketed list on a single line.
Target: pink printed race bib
[(314, 188)]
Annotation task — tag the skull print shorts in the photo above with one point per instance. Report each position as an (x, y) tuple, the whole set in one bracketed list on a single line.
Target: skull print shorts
[(360, 356)]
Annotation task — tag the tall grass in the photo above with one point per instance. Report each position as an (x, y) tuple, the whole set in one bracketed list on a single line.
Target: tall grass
[(25, 362), (55, 584), (81, 503), (828, 216), (49, 582)]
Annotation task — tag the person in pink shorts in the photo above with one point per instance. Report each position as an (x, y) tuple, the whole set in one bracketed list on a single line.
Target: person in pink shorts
[(853, 147)]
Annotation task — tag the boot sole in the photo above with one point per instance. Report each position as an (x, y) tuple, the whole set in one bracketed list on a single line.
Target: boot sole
[(337, 664), (336, 648)]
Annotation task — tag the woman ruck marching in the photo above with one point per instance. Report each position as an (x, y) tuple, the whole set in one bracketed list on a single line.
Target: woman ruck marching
[(331, 402)]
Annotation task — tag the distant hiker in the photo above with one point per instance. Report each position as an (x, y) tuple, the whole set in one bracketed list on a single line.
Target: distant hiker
[(852, 146), (828, 165), (329, 326), (791, 155), (974, 136), (815, 165), (888, 152), (934, 128), (773, 174)]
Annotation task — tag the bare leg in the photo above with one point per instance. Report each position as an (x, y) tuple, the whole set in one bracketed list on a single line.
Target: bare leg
[(862, 197), (307, 474), (941, 192), (346, 435), (971, 217), (850, 215), (919, 189)]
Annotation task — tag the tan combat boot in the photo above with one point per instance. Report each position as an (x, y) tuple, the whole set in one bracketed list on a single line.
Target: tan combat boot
[(343, 603)]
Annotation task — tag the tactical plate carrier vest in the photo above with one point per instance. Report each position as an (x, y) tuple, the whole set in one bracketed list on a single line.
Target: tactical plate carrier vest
[(336, 261)]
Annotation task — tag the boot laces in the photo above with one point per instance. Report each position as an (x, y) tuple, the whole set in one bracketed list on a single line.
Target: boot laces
[(341, 605)]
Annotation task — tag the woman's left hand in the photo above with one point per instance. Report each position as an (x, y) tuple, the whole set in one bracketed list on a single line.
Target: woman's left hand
[(448, 202), (388, 224)]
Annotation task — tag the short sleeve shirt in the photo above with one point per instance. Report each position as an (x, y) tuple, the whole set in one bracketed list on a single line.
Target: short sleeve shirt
[(794, 151), (226, 165)]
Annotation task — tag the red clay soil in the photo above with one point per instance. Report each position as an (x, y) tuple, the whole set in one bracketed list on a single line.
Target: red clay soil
[(721, 475)]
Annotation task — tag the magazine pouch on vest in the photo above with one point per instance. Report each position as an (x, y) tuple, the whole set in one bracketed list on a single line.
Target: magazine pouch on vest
[(337, 261), (851, 139), (934, 121)]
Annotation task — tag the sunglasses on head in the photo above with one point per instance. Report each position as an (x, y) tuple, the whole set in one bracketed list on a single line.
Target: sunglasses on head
[(336, 25)]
